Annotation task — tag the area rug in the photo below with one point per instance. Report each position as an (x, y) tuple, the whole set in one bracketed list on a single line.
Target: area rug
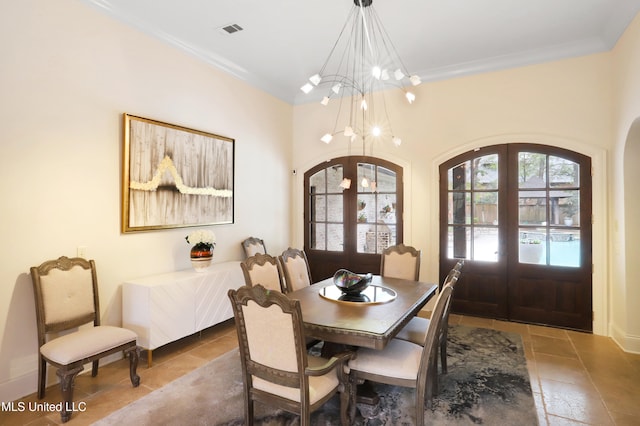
[(487, 383)]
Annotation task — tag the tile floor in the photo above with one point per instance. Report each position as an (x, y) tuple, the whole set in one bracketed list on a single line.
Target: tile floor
[(576, 378)]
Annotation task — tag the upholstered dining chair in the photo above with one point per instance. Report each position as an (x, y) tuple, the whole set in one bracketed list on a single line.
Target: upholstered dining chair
[(296, 269), (252, 246), (276, 368), (403, 363), (416, 329), (263, 269), (66, 296), (400, 261)]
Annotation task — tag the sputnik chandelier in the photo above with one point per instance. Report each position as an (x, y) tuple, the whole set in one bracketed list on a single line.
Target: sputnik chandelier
[(368, 63)]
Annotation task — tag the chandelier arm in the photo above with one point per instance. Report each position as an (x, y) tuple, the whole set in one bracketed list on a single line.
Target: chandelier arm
[(335, 45), (385, 37)]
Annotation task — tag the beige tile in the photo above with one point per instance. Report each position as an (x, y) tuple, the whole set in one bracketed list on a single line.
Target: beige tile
[(553, 346), (476, 322), (562, 369), (542, 416), (622, 419), (574, 402), (215, 348), (162, 373), (561, 421), (538, 330)]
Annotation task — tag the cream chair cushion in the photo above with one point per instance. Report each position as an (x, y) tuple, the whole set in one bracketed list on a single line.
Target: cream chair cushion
[(72, 300), (415, 331), (267, 275), (86, 343), (319, 386), (299, 272), (264, 327), (399, 359), (401, 266)]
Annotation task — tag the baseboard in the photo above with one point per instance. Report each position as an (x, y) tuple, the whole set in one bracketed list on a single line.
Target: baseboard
[(627, 342)]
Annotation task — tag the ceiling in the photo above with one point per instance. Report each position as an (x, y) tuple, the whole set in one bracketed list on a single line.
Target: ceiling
[(283, 42)]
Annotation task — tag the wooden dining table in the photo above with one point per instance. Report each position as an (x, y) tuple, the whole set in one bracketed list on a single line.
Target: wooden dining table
[(367, 324)]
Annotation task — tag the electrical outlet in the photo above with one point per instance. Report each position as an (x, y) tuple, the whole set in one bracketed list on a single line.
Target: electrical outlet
[(82, 252)]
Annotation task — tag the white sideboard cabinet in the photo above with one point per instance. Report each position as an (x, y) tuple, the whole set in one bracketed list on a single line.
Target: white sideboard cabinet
[(167, 307)]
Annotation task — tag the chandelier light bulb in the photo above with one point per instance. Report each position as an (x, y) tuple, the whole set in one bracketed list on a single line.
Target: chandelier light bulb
[(325, 101), (410, 97), (385, 75), (345, 184), (415, 80), (315, 79), (364, 105), (306, 88), (348, 131), (376, 131), (396, 141), (364, 183), (336, 88), (377, 72), (354, 137), (326, 138), (398, 74)]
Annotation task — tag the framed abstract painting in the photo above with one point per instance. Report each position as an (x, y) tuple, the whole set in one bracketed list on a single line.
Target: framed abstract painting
[(174, 177)]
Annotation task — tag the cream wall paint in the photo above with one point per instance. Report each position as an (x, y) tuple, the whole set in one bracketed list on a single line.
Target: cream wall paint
[(68, 73), (625, 204), (564, 103)]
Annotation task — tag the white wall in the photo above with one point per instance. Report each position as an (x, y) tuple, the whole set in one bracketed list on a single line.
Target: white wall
[(625, 200), (68, 73), (565, 103)]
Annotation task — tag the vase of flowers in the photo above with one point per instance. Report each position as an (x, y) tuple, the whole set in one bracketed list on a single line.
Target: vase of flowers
[(203, 242)]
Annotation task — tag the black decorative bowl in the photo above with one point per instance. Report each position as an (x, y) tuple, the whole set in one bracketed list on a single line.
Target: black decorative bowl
[(351, 283)]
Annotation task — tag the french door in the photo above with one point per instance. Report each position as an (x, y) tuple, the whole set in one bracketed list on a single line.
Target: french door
[(353, 211), (520, 214)]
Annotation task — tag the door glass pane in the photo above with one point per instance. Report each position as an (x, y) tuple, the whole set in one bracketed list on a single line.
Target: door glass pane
[(319, 207), (563, 173), (459, 208), (335, 237), (334, 177), (564, 247), (366, 208), (485, 208), (318, 183), (569, 207), (366, 239), (459, 176), (375, 238), (366, 175), (318, 234), (334, 208), (458, 242), (532, 208), (532, 170), (386, 208), (532, 251), (385, 180), (485, 172), (485, 244)]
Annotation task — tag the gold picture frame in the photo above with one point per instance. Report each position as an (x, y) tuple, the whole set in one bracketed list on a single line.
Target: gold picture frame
[(174, 177)]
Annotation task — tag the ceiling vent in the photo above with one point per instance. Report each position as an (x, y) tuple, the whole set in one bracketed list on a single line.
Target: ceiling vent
[(230, 29)]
